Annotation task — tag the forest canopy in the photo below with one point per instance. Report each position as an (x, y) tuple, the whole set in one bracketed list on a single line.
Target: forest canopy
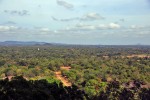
[(98, 71)]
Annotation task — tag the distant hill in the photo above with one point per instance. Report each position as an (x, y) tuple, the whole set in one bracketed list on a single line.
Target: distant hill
[(34, 43), (22, 43)]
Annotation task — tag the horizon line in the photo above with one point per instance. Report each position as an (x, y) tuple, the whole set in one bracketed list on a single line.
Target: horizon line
[(138, 44)]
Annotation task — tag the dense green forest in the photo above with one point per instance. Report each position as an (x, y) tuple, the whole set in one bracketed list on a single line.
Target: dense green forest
[(97, 72)]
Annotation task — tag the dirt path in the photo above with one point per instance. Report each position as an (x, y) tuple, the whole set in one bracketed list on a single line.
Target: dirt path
[(64, 80)]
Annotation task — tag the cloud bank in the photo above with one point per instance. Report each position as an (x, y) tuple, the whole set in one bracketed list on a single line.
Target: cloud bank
[(87, 27), (87, 17)]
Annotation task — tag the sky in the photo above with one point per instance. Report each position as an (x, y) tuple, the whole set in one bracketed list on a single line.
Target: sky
[(106, 22)]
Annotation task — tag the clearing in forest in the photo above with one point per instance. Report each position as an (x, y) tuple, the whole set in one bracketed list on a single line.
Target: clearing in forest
[(63, 79), (139, 56)]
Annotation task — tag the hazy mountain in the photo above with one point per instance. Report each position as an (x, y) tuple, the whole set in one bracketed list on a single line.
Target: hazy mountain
[(17, 43)]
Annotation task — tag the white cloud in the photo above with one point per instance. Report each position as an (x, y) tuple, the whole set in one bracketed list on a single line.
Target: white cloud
[(7, 28), (102, 26), (65, 4), (92, 16), (136, 27), (114, 25), (87, 27), (44, 29)]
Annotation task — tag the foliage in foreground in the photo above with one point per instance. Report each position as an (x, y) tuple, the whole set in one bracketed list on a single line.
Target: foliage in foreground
[(21, 89)]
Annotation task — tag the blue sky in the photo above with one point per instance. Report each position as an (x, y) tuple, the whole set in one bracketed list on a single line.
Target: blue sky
[(76, 21)]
